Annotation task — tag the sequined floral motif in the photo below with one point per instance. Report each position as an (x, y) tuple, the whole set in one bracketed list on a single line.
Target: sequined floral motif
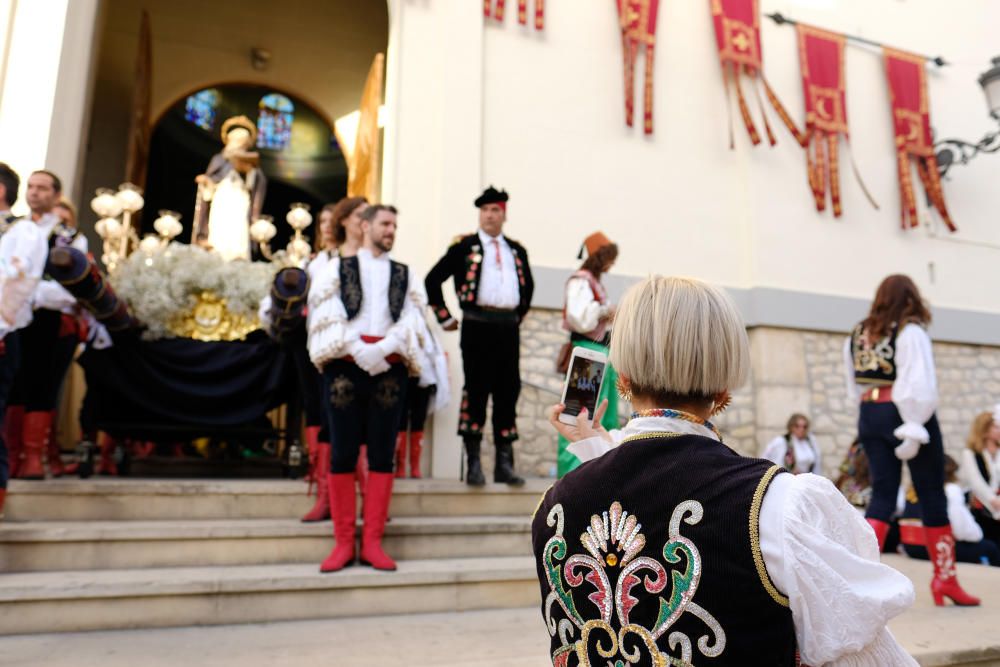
[(604, 634), (469, 288), (465, 424)]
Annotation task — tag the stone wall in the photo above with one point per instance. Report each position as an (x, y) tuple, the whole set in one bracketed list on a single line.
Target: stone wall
[(792, 371)]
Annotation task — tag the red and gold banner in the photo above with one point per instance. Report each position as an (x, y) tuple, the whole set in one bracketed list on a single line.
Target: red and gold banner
[(522, 12), (637, 19), (912, 124), (737, 36), (821, 59)]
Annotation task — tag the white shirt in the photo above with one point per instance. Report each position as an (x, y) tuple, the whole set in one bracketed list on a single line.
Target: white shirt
[(915, 390), (583, 311), (963, 525), (498, 285), (822, 555), (49, 294), (25, 243), (333, 336), (806, 454), (984, 490)]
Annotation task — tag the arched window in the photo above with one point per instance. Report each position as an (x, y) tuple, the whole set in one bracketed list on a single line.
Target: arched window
[(201, 107), (274, 121)]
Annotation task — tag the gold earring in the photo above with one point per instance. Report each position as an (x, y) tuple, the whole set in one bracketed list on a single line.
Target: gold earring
[(720, 402), (624, 389)]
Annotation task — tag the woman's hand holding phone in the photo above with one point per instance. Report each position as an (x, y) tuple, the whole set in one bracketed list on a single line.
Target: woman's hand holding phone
[(584, 427)]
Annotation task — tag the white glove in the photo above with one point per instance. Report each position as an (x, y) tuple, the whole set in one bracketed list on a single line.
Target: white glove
[(367, 357), (912, 431), (908, 449), (380, 367)]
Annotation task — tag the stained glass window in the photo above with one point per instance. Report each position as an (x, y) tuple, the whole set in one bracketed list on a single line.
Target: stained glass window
[(274, 121), (201, 107)]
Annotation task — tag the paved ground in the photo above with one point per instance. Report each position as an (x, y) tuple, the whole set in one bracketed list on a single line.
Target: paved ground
[(509, 638)]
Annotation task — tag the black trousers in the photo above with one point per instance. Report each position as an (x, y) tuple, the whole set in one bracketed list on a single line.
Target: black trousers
[(45, 358), (308, 378), (990, 526), (491, 355), (876, 423), (414, 414), (363, 408), (8, 368)]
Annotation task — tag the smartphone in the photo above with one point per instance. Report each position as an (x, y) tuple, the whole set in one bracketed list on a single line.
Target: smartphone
[(584, 379)]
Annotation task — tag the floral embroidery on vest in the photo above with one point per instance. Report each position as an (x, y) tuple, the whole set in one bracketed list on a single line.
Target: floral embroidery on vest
[(469, 289), (610, 567)]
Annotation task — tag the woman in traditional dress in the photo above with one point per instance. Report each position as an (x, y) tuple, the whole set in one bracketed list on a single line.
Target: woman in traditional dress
[(667, 547), (797, 450), (587, 315), (980, 471), (890, 368)]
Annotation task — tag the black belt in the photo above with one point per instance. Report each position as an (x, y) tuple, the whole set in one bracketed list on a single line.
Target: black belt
[(491, 315)]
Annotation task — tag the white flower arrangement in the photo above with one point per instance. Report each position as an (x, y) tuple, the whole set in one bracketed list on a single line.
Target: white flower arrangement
[(157, 286)]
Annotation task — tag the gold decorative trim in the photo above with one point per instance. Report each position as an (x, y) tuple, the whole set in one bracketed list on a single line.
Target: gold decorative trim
[(651, 434), (210, 320), (541, 500), (758, 557)]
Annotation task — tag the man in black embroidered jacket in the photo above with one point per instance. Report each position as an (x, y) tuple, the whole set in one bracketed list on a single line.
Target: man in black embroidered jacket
[(494, 287)]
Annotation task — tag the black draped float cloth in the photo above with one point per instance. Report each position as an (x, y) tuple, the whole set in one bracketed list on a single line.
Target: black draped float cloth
[(186, 383)]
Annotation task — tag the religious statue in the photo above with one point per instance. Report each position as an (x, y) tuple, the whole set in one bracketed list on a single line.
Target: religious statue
[(230, 192)]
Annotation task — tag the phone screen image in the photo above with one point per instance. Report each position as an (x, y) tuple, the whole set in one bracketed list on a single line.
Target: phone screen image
[(583, 383)]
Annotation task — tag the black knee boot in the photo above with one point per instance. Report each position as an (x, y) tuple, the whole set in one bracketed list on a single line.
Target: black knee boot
[(474, 470), (503, 472)]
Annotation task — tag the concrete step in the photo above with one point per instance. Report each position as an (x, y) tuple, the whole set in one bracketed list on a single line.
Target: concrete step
[(160, 597), (123, 499), (41, 546)]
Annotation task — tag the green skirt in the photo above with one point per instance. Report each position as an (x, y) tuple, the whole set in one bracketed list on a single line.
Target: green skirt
[(566, 461)]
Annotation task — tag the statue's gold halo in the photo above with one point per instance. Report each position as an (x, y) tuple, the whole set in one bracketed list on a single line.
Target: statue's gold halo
[(240, 121)]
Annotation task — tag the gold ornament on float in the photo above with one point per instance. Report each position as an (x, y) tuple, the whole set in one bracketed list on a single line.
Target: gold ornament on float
[(210, 320)]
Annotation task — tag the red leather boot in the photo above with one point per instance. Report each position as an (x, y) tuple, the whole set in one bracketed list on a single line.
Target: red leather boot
[(54, 455), (37, 428), (312, 445), (376, 510), (416, 446), (344, 511), (400, 455), (941, 549), (361, 471), (13, 426), (3, 497), (881, 529), (321, 510), (106, 463)]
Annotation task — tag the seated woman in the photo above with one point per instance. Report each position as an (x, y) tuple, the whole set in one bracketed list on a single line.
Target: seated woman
[(667, 547), (980, 472), (970, 547), (797, 451), (854, 480)]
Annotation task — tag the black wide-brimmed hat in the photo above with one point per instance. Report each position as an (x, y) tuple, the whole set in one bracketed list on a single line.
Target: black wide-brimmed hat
[(492, 196)]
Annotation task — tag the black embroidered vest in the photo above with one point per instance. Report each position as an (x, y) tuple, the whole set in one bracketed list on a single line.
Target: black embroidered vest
[(874, 363), (652, 551), (7, 220), (351, 293)]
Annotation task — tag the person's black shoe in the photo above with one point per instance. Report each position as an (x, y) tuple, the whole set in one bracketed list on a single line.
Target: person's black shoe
[(503, 472), (474, 470), (474, 475)]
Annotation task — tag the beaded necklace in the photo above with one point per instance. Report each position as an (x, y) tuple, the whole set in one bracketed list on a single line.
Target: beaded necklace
[(677, 414)]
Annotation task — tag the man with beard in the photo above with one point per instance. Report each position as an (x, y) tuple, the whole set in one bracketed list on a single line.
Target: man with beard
[(364, 315)]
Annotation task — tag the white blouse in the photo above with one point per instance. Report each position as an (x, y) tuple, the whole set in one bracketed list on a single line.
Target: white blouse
[(332, 335), (583, 311), (915, 390), (984, 490), (821, 554), (963, 525), (498, 283), (806, 454), (23, 251)]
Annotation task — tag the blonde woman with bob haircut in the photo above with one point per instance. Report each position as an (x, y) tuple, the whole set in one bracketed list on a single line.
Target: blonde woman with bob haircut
[(980, 472), (667, 547)]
